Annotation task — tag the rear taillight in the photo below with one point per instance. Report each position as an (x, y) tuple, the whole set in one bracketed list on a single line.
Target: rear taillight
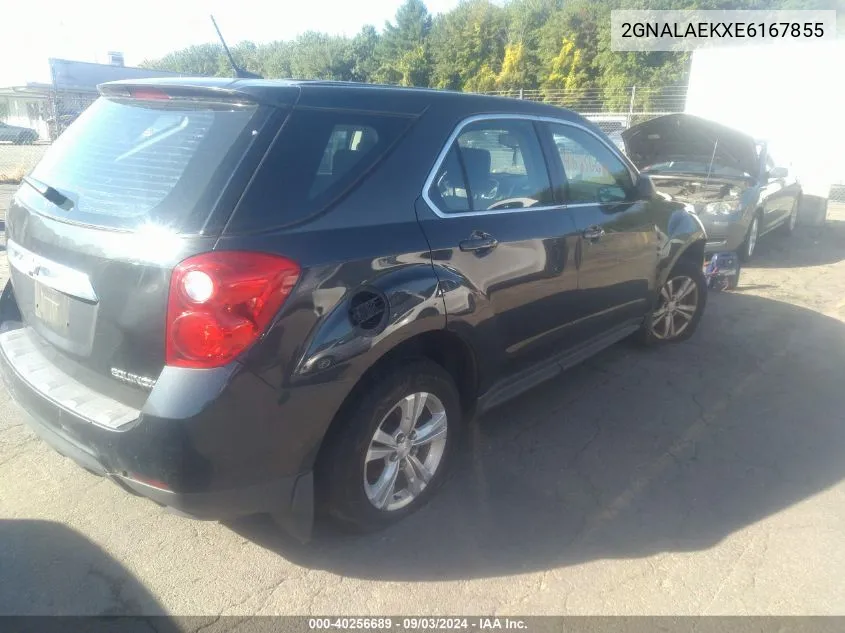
[(148, 94), (221, 302)]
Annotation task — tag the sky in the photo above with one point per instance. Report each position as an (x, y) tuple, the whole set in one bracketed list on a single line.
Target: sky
[(86, 30)]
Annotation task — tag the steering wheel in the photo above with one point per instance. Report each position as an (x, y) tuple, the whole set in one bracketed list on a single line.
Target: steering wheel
[(444, 186), (491, 192)]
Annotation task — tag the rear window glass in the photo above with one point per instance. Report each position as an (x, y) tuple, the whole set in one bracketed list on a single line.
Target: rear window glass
[(125, 164), (347, 145), (319, 156)]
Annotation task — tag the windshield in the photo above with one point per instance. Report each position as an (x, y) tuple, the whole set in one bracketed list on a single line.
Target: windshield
[(123, 164), (697, 167)]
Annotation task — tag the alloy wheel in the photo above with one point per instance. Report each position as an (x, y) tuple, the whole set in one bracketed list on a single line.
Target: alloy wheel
[(678, 304), (405, 451)]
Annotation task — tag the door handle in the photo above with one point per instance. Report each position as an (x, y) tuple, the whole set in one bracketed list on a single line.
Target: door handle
[(593, 234), (478, 241)]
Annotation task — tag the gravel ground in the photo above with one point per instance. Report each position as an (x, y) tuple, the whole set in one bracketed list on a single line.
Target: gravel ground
[(704, 478)]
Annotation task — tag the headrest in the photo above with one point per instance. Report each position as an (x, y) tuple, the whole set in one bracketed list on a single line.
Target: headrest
[(477, 163)]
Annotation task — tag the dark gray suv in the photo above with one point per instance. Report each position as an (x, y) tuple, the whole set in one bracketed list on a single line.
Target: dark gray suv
[(249, 296)]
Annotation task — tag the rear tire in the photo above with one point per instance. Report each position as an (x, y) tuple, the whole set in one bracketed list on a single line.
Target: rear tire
[(376, 441), (680, 305)]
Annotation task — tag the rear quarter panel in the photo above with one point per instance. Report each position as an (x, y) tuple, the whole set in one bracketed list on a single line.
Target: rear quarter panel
[(368, 242), (313, 355)]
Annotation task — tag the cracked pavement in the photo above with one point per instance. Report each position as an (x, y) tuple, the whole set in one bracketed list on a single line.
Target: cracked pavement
[(701, 478)]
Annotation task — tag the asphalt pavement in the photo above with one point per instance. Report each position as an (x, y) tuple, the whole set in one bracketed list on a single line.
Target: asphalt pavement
[(700, 478)]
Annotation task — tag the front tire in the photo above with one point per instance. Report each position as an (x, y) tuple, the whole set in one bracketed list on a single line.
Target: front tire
[(680, 304), (788, 227), (749, 244), (388, 457)]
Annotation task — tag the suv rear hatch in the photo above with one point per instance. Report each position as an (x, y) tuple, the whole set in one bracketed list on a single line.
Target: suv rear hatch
[(143, 179)]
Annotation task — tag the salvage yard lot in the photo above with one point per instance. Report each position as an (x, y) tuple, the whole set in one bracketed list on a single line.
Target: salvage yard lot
[(703, 478)]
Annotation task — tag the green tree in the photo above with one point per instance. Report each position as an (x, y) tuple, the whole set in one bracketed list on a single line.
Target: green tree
[(364, 51), (202, 59), (415, 67), (471, 36), (525, 20), (483, 81), (320, 56), (514, 73), (561, 47), (567, 78), (578, 22), (403, 47), (246, 57), (274, 60), (410, 30)]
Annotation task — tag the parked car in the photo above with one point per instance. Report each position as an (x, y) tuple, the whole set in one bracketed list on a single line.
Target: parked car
[(17, 134), (213, 311), (727, 178)]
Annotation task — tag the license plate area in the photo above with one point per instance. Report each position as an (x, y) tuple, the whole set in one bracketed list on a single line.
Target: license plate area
[(52, 308)]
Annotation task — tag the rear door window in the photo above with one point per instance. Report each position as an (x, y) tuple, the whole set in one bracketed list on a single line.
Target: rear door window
[(493, 165), (124, 164), (319, 156)]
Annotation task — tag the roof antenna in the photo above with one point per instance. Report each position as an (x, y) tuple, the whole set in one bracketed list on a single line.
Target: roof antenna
[(240, 73)]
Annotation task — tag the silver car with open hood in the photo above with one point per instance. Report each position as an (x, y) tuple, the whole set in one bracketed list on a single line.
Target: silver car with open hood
[(724, 176)]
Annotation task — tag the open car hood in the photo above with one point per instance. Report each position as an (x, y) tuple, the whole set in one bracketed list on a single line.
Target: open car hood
[(687, 137)]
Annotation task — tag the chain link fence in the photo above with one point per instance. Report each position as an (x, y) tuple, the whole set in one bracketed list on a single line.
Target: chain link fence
[(31, 118), (612, 110)]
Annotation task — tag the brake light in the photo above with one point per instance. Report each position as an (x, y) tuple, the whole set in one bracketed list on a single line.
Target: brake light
[(221, 302), (148, 94)]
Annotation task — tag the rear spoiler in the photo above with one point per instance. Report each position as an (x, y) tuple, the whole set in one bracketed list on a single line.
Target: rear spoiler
[(278, 95)]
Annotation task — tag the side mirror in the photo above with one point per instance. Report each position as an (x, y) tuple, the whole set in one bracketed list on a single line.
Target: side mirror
[(778, 172)]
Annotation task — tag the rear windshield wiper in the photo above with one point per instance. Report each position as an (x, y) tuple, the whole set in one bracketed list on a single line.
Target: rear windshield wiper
[(53, 195)]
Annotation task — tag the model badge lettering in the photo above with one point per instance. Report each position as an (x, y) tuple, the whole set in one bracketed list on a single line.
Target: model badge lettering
[(133, 379)]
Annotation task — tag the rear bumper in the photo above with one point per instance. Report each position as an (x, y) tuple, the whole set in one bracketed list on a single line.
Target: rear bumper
[(198, 465), (265, 497)]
